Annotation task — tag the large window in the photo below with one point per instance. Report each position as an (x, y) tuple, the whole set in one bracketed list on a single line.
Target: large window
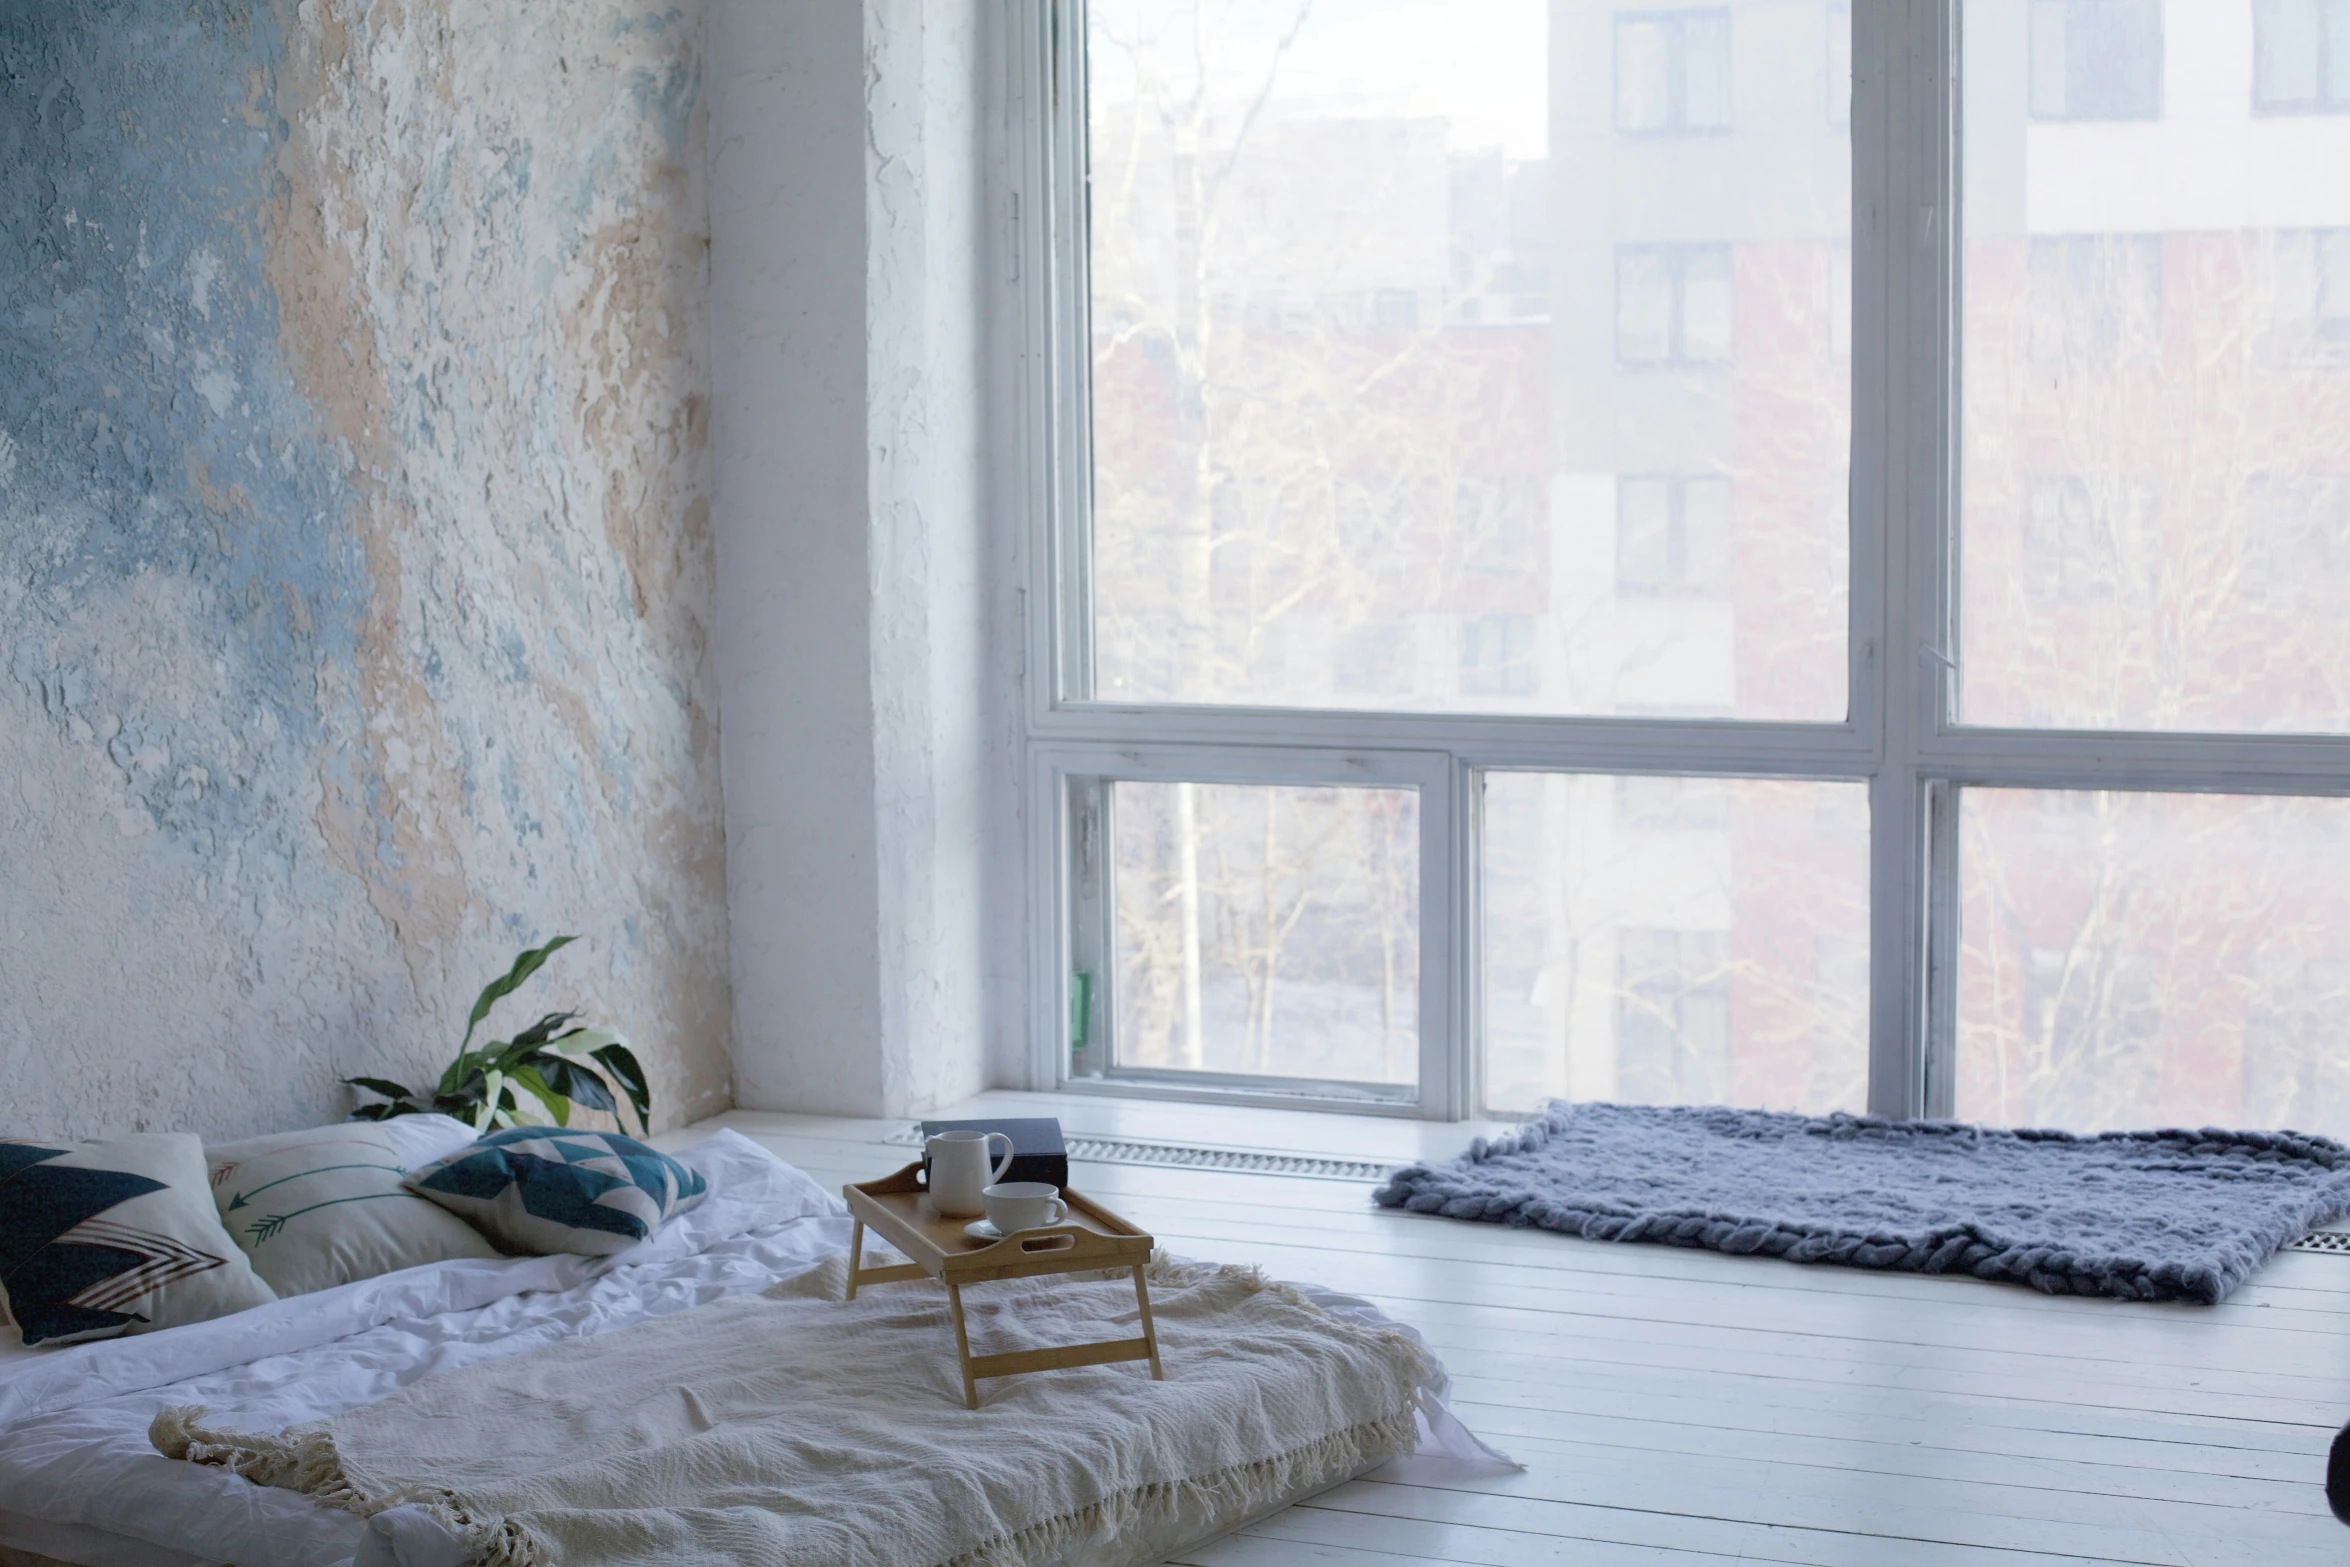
[(1530, 599)]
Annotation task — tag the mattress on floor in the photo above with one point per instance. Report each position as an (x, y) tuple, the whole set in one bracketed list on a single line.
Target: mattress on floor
[(84, 1484)]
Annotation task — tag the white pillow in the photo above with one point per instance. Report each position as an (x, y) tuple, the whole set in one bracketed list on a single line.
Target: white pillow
[(323, 1207), (116, 1236)]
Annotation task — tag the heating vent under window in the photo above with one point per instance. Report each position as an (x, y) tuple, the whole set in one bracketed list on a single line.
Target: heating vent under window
[(2322, 1240), (1102, 1150)]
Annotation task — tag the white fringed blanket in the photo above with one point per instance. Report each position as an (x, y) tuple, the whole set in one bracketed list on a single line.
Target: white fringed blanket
[(791, 1426)]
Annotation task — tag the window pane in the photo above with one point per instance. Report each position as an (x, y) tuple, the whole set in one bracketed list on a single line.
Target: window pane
[(1646, 304), (1385, 311), (2096, 59), (1675, 941), (2141, 960), (1644, 534), (1706, 69), (1705, 304), (2156, 427), (1644, 66), (2336, 92), (1271, 931), (2288, 53)]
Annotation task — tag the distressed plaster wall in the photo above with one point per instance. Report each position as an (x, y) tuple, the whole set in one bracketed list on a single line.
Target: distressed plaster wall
[(866, 659), (355, 564)]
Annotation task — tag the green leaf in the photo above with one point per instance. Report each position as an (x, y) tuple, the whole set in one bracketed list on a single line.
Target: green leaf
[(467, 1068), (497, 989), (578, 1082), (618, 1060), (543, 1030), (376, 1085), (558, 1106), (493, 1091), (463, 1090)]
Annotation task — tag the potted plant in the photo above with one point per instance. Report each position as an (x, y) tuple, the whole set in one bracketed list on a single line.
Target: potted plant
[(549, 1066)]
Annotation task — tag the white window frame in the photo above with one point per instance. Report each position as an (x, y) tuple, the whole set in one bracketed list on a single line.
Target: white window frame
[(1899, 738)]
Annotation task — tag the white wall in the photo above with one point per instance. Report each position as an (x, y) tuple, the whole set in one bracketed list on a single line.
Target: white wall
[(865, 668)]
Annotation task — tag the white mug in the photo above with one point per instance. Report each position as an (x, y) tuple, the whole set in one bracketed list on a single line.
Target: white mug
[(1024, 1205), (959, 1171)]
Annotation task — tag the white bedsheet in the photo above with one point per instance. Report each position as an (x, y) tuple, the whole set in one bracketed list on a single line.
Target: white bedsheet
[(80, 1481)]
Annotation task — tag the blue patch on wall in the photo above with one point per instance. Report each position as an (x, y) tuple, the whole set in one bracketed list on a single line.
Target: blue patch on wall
[(158, 429)]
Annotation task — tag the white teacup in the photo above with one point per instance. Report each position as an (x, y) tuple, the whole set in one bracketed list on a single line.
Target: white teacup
[(1023, 1205)]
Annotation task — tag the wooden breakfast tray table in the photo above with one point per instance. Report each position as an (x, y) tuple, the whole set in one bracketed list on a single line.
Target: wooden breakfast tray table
[(898, 1209)]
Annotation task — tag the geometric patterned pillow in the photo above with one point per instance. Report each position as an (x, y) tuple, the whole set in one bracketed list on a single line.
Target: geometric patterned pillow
[(118, 1236), (548, 1189)]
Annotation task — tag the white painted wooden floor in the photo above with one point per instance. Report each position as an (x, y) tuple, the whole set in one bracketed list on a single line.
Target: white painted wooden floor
[(1679, 1408)]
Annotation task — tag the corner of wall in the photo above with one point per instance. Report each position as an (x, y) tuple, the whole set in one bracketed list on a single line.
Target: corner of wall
[(868, 780)]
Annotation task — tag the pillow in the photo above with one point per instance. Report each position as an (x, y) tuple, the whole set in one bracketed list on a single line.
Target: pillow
[(117, 1236), (324, 1207), (549, 1189)]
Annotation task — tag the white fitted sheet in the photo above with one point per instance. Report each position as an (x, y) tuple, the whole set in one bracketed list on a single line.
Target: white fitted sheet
[(81, 1482)]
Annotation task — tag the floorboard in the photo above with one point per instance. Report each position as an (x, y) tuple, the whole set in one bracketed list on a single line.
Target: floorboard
[(1681, 1408)]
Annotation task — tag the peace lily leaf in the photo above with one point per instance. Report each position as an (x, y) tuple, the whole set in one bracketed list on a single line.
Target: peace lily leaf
[(493, 1090), (453, 1080), (577, 1082), (558, 1107), (543, 1030), (622, 1064), (498, 989), (582, 1043)]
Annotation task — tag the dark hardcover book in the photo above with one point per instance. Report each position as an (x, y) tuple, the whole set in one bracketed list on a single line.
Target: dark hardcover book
[(1037, 1151)]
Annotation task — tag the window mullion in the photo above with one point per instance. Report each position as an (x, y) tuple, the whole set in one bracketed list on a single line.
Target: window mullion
[(1904, 124)]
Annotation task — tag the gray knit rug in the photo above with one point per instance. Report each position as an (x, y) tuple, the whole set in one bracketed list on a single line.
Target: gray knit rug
[(2168, 1215)]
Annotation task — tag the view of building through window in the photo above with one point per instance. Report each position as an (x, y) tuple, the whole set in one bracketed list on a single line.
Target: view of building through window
[(2154, 960), (2155, 440), (1675, 941), (1269, 931), (1498, 359), (2155, 534), (1470, 357)]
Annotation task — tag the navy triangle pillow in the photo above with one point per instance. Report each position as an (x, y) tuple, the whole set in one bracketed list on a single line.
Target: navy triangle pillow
[(110, 1237), (547, 1189)]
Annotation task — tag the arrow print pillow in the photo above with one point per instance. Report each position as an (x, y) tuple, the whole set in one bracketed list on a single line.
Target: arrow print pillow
[(118, 1236), (324, 1207)]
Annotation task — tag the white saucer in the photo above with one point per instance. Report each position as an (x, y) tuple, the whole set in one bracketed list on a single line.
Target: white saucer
[(983, 1230)]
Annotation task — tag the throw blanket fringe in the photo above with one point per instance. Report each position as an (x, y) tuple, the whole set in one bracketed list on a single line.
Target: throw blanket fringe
[(1244, 1489), (305, 1459)]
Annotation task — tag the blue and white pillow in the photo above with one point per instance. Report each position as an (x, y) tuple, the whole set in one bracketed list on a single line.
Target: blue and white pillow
[(119, 1236), (548, 1189)]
